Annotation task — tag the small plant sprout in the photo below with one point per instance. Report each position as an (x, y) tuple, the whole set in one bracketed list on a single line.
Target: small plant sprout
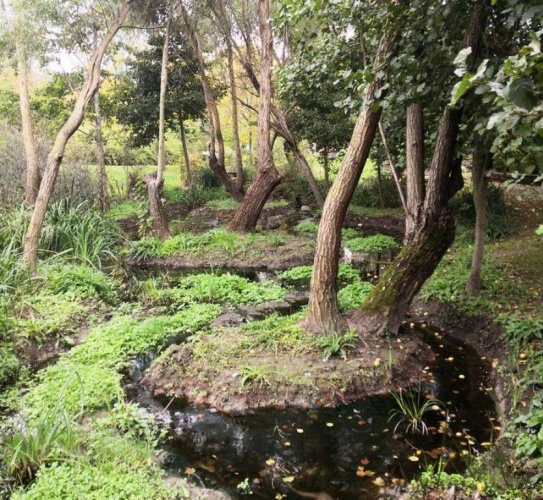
[(412, 406), (336, 344)]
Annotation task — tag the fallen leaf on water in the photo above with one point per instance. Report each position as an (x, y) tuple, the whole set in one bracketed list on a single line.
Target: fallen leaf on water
[(413, 458), (461, 376), (364, 461), (486, 444), (378, 481), (398, 481), (270, 462), (329, 424), (190, 470), (286, 443), (300, 431), (288, 479)]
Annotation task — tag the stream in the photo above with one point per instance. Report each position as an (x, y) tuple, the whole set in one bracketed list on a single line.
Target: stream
[(347, 452)]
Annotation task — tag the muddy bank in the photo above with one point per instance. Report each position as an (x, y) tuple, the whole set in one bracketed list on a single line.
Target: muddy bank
[(297, 380)]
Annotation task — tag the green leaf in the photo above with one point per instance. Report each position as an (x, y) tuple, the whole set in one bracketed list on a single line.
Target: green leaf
[(521, 93), (461, 88)]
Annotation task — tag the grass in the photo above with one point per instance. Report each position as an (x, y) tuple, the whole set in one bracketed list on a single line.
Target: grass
[(411, 408)]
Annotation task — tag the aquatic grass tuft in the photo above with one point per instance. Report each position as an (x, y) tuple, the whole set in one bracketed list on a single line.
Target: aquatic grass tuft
[(412, 406)]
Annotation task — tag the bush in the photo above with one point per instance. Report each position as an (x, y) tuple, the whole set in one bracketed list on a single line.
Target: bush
[(307, 227), (367, 193), (302, 274), (225, 289), (377, 243), (352, 296), (498, 214)]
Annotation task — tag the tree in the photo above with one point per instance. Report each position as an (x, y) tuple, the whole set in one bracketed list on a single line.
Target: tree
[(267, 175), (136, 99), (54, 159), (434, 229)]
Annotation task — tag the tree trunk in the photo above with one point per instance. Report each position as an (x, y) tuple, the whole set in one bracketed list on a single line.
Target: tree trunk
[(156, 207), (186, 173), (385, 309), (161, 162), (481, 161), (414, 148), (216, 141), (238, 160), (90, 86), (326, 168), (323, 311), (380, 186), (32, 161), (103, 198), (267, 177)]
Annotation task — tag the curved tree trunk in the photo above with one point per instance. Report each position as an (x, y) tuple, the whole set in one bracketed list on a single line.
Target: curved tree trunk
[(90, 86), (32, 161), (103, 198), (186, 173), (481, 163), (216, 141), (267, 177), (323, 311)]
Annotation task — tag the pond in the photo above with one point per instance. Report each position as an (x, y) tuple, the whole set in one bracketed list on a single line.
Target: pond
[(347, 452)]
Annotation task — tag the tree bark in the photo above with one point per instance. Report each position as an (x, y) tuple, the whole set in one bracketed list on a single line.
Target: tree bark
[(216, 140), (103, 198), (156, 207), (186, 173), (481, 163), (238, 160), (323, 310), (267, 177), (54, 159), (161, 161), (32, 161), (414, 147)]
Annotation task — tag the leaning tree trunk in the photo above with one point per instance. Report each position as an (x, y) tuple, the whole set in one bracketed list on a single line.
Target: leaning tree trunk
[(384, 310), (323, 310), (216, 140), (481, 162), (32, 162), (414, 148), (155, 184), (103, 198), (186, 173), (90, 86), (267, 177)]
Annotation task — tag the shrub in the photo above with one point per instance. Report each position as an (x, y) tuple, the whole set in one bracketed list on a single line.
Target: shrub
[(9, 367), (307, 227), (367, 193), (352, 296), (498, 213), (302, 274), (80, 281), (225, 289), (372, 244)]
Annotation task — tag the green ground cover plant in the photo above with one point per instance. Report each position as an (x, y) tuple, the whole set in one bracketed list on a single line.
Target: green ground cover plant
[(377, 243)]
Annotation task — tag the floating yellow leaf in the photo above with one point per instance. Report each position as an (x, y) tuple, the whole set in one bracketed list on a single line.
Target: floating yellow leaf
[(398, 481), (486, 444), (461, 376), (270, 462), (378, 481), (288, 479), (413, 458), (286, 443), (189, 471), (364, 461), (300, 431), (329, 424)]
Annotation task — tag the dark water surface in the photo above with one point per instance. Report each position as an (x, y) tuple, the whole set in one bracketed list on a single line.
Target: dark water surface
[(341, 451)]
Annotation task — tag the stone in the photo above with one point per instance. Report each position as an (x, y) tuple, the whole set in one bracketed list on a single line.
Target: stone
[(305, 209), (274, 221)]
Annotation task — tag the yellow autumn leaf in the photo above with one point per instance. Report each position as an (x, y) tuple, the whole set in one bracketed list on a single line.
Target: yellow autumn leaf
[(413, 458), (378, 481), (288, 479), (270, 462), (189, 471)]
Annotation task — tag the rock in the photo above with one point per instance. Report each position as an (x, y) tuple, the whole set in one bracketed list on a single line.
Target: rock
[(274, 221), (305, 209), (228, 319)]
